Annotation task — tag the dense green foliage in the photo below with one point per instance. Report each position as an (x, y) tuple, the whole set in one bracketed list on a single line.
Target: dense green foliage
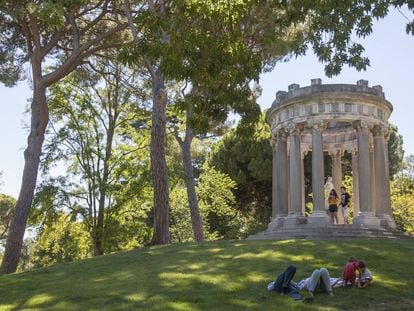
[(63, 240), (226, 275), (200, 58), (402, 196), (395, 150), (7, 204), (245, 155), (92, 118), (53, 38)]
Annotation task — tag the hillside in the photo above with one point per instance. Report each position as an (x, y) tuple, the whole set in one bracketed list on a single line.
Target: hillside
[(225, 275)]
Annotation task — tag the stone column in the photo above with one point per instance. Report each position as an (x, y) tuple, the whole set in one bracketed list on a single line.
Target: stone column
[(279, 180), (355, 183), (373, 176), (337, 178), (288, 181), (302, 159), (318, 216), (366, 218), (275, 212), (337, 169), (382, 178), (295, 216)]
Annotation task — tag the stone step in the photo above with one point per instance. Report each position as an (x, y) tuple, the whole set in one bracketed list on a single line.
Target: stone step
[(329, 233)]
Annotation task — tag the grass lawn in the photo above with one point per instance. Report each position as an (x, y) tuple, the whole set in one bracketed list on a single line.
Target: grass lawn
[(224, 275)]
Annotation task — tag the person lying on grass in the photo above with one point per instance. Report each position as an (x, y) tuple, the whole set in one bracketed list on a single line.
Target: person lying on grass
[(319, 279), (284, 285)]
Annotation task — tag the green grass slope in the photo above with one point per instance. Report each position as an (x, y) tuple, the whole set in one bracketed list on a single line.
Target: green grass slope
[(225, 275)]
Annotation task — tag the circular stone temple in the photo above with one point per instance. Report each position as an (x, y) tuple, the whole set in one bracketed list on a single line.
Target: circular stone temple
[(334, 119)]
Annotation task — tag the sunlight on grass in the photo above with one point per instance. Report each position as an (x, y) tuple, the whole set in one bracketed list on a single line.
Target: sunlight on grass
[(136, 297), (215, 250), (254, 277), (180, 306), (243, 304), (221, 275), (275, 255), (197, 266), (392, 283), (172, 279), (225, 256), (39, 300)]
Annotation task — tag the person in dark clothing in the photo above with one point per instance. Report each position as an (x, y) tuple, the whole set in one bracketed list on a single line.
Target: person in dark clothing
[(284, 285), (282, 282), (345, 196), (333, 200)]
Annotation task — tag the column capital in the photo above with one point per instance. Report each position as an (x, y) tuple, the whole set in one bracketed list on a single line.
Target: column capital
[(318, 125), (281, 134), (303, 153), (380, 130), (363, 125), (295, 129), (354, 152), (336, 152)]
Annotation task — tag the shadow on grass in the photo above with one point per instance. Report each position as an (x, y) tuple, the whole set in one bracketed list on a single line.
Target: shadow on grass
[(225, 275)]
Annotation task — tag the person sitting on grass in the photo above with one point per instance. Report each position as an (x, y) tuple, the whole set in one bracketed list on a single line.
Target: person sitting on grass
[(319, 279), (350, 272), (364, 278)]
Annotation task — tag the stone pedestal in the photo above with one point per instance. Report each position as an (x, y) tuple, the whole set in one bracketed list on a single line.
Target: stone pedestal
[(367, 219), (294, 220), (276, 223), (318, 218), (387, 221)]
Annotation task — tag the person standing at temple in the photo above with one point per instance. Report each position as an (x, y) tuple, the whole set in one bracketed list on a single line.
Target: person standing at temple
[(345, 196), (333, 201)]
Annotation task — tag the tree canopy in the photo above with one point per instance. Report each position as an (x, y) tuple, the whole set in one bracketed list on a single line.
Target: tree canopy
[(197, 60)]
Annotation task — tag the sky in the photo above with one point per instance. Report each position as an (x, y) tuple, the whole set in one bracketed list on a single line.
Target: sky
[(390, 49)]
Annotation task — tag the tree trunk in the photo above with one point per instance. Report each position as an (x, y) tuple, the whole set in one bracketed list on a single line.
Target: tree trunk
[(100, 228), (97, 244), (196, 221), (39, 120), (158, 162)]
